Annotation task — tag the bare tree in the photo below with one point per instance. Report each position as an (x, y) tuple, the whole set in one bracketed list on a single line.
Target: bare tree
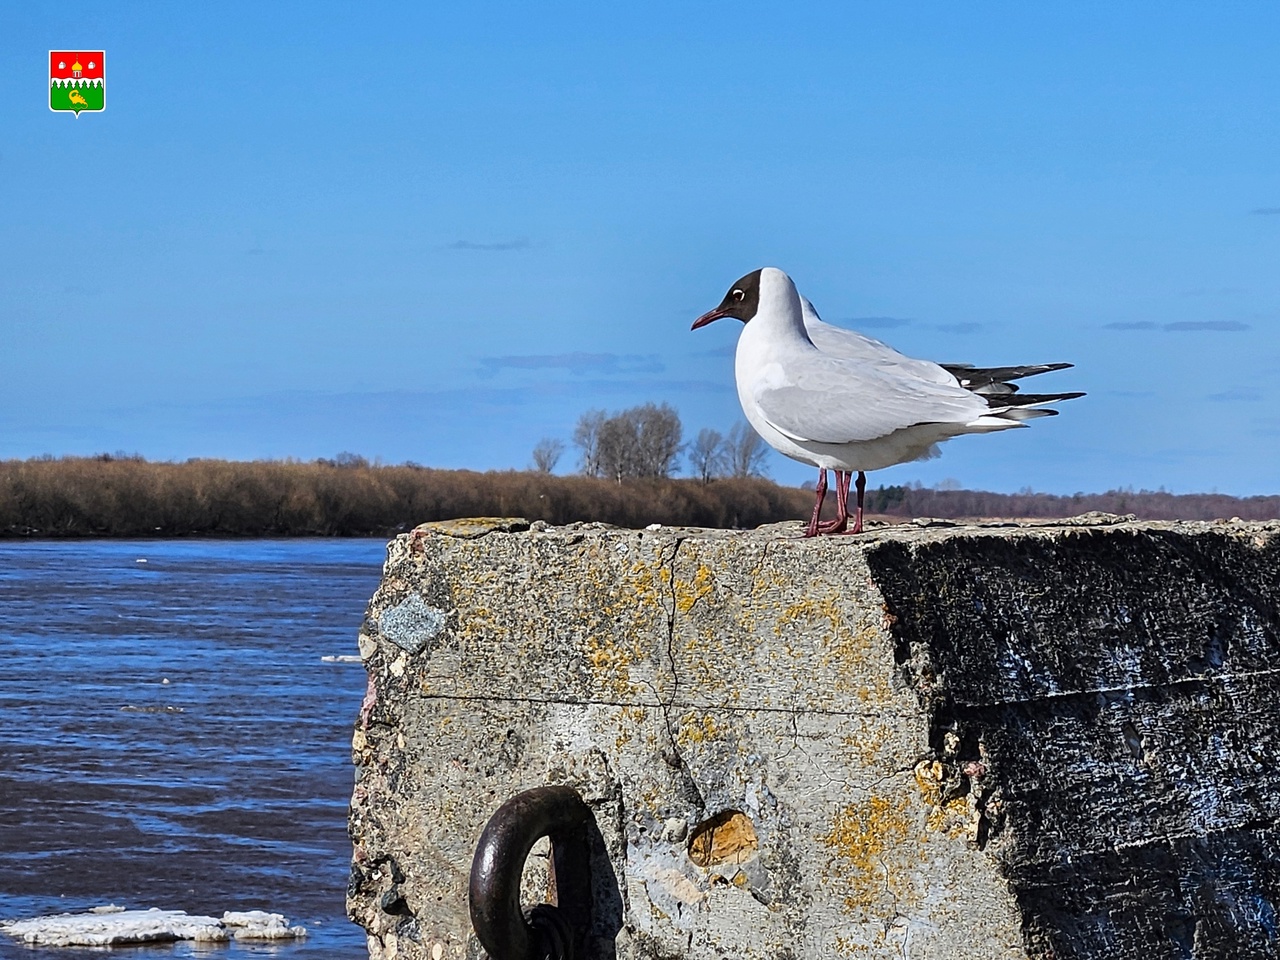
[(707, 455), (586, 437), (619, 446), (642, 441), (745, 452), (658, 433), (547, 454)]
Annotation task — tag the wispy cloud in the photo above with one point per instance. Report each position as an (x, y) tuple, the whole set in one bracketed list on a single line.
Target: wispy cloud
[(1234, 396), (1224, 325), (1266, 211), (878, 323), (891, 323), (520, 243), (969, 327), (576, 363), (1211, 292), (724, 350), (1182, 326)]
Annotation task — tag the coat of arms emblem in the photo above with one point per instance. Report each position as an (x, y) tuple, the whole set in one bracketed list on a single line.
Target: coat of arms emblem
[(77, 80)]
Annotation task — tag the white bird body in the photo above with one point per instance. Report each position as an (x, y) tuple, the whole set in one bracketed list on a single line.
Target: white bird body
[(865, 407), (838, 400)]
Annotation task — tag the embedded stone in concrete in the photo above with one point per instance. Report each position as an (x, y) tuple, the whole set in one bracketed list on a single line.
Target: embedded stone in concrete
[(1041, 740), (411, 624)]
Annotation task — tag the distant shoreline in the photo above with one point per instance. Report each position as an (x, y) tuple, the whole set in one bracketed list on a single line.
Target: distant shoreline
[(131, 498), (128, 497)]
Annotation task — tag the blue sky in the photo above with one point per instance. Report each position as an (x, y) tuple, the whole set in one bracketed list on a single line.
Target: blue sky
[(441, 232)]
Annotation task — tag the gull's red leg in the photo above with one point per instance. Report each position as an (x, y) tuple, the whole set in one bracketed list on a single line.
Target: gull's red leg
[(841, 521), (862, 486), (821, 491)]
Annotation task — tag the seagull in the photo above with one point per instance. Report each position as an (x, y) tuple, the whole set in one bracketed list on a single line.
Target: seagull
[(840, 401)]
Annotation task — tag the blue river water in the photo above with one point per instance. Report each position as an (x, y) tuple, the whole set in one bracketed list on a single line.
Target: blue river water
[(170, 736)]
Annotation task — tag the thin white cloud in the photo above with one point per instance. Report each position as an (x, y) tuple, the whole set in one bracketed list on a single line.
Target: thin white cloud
[(724, 350), (1220, 325), (520, 243), (879, 323), (1235, 396), (576, 363), (968, 327), (1182, 326), (891, 323)]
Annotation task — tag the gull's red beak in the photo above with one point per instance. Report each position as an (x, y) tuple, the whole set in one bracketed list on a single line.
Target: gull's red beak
[(709, 316)]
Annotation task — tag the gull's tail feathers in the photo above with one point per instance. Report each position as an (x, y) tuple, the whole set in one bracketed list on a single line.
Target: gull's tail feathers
[(1030, 399), (995, 385), (1026, 406), (976, 377), (1019, 414)]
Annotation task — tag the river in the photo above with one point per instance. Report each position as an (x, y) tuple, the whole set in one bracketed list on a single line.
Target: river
[(170, 736)]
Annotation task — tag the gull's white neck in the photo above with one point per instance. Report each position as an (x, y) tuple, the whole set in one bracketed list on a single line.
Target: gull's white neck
[(779, 319)]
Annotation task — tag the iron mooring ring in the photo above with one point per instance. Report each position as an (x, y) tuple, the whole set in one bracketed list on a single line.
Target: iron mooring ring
[(549, 931)]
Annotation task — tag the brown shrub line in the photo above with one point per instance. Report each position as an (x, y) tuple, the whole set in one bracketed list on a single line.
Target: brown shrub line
[(130, 497)]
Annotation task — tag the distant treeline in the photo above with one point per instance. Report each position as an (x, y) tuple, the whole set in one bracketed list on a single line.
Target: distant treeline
[(130, 497), (901, 501)]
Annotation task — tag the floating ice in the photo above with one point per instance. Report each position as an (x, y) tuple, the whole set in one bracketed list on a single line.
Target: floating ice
[(112, 925)]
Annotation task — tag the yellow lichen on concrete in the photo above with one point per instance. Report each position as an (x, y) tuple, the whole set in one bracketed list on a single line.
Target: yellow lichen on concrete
[(708, 666), (868, 741), (619, 610), (853, 650), (630, 720), (640, 585), (611, 664), (955, 817), (850, 650), (808, 610), (690, 592), (696, 727), (861, 837)]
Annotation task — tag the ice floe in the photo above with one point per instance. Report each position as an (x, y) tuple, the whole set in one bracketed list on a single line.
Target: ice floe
[(112, 925)]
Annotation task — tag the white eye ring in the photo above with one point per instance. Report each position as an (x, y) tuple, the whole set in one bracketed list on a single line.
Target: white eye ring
[(739, 295)]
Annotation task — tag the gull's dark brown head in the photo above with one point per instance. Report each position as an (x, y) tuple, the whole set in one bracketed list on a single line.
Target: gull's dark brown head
[(742, 301)]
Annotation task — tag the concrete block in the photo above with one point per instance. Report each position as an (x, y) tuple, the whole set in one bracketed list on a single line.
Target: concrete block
[(932, 741)]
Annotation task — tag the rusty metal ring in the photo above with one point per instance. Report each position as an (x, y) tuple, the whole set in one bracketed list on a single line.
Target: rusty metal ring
[(500, 924)]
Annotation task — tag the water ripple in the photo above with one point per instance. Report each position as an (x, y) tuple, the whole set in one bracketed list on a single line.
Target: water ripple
[(171, 737)]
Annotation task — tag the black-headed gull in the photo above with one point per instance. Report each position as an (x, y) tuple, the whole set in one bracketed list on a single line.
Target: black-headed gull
[(840, 401)]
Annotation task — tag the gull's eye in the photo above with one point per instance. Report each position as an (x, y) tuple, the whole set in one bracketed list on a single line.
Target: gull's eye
[(738, 295)]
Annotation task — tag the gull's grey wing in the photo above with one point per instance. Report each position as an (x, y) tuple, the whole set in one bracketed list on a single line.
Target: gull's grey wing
[(829, 400), (851, 345)]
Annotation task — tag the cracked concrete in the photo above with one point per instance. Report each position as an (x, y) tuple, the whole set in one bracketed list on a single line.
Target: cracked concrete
[(881, 720)]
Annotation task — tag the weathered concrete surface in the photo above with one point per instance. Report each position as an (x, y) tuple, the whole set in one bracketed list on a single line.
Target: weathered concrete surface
[(1052, 740)]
